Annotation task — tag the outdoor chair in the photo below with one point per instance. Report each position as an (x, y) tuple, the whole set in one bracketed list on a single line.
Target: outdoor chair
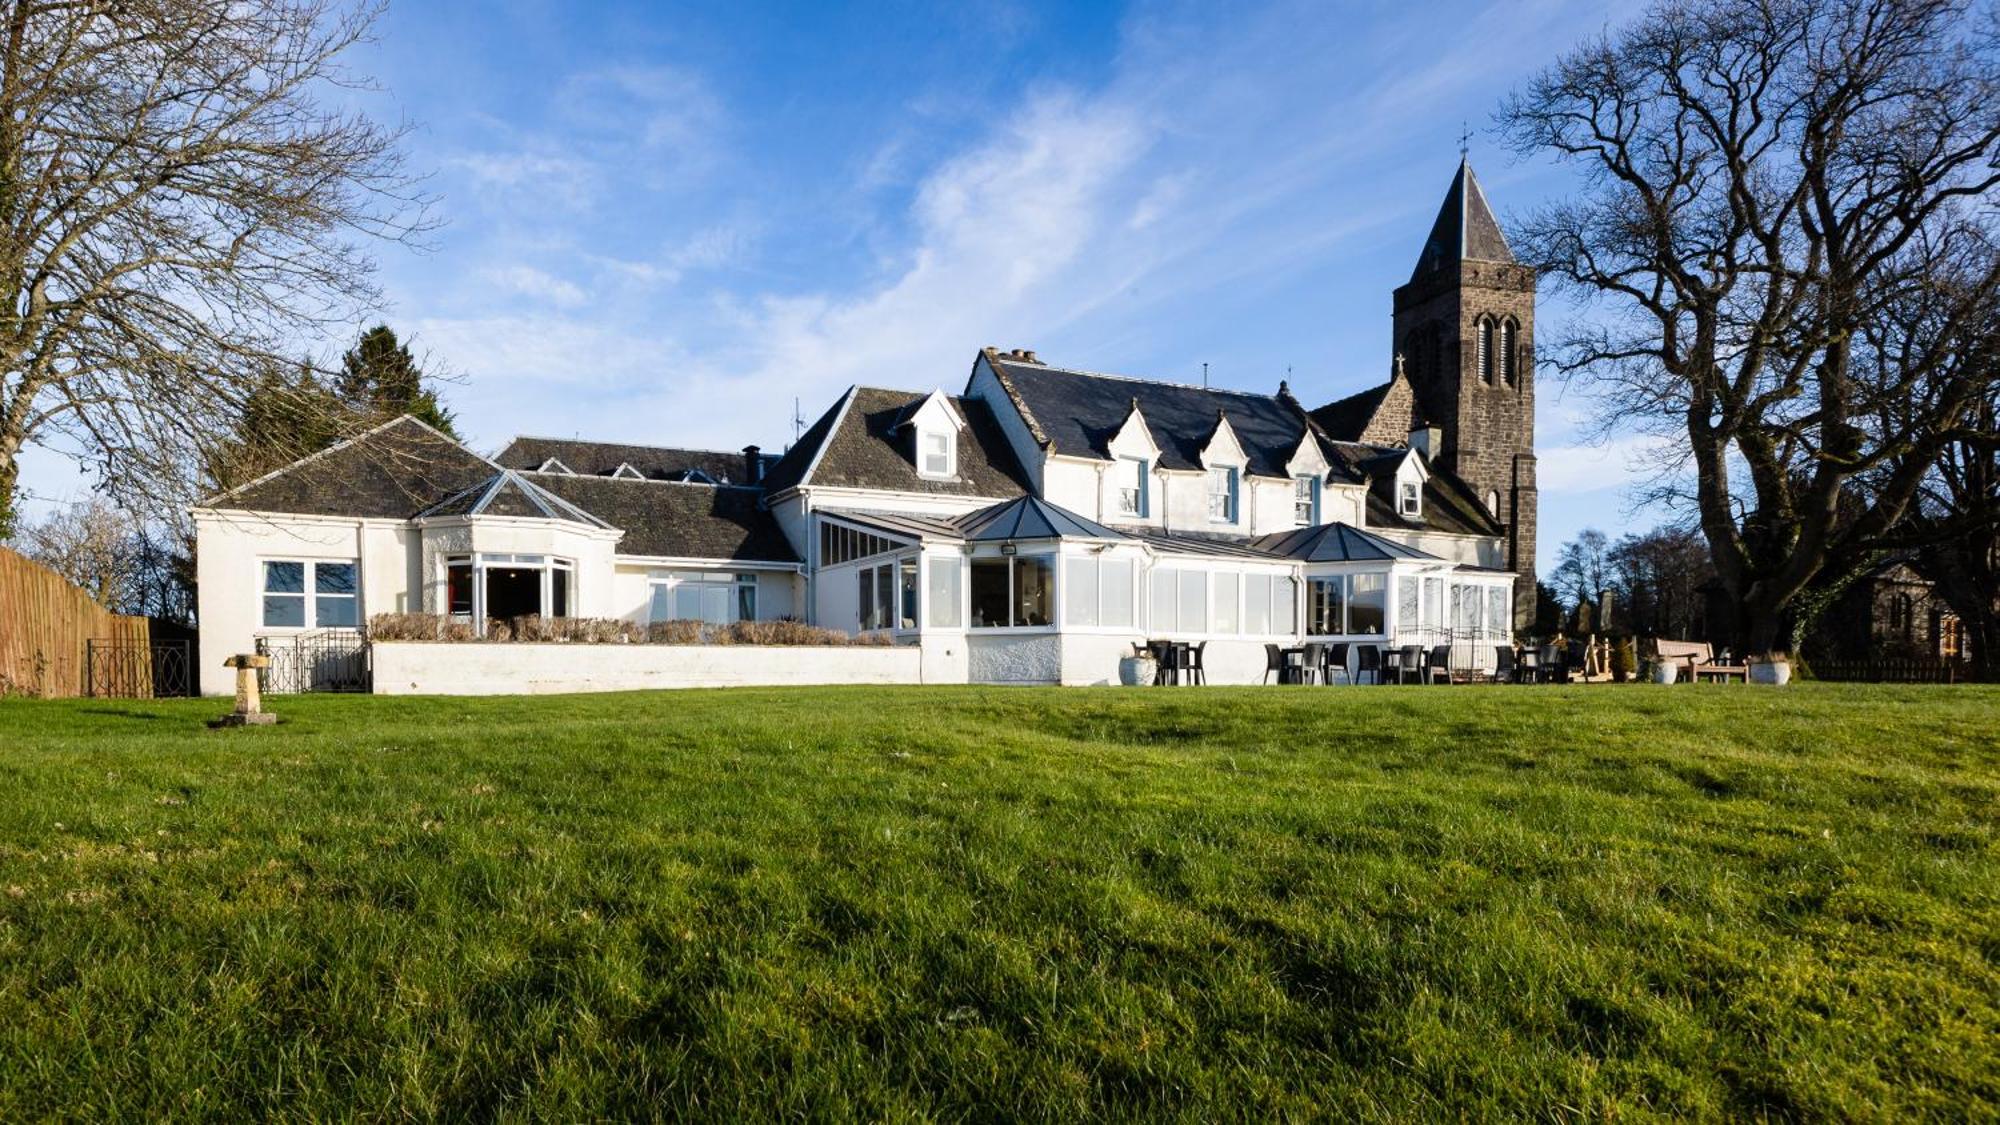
[(1504, 671), (1438, 668), (1310, 663), (1197, 673), (1412, 665), (1274, 661), (1368, 662), (1334, 663), (1166, 653)]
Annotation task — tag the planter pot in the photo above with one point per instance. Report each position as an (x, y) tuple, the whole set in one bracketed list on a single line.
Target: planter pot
[(1777, 673), (1666, 672), (1137, 671)]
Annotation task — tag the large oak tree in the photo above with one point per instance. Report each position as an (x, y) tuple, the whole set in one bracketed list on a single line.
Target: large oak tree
[(1765, 184), (186, 195)]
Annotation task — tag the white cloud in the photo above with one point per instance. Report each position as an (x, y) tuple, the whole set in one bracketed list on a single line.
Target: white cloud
[(531, 282)]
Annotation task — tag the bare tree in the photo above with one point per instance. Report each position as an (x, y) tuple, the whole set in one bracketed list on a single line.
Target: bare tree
[(1583, 570), (91, 544), (1657, 577), (178, 208), (1762, 183)]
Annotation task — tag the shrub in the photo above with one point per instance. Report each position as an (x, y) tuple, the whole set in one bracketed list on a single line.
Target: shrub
[(408, 627), (1624, 656), (677, 632)]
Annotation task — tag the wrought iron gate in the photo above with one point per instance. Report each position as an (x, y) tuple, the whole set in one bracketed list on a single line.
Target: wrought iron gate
[(327, 660), (119, 669)]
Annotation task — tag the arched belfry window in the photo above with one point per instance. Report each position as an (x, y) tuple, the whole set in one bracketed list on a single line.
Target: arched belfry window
[(1493, 502), (1510, 351), (1483, 348)]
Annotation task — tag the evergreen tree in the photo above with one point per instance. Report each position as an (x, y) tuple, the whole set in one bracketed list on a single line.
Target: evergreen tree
[(380, 379)]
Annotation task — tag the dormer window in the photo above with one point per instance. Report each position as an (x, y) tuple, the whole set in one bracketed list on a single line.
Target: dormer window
[(1409, 499), (1222, 494), (1305, 501), (1132, 475), (935, 454)]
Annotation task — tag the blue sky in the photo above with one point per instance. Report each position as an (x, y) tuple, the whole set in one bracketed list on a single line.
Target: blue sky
[(663, 224)]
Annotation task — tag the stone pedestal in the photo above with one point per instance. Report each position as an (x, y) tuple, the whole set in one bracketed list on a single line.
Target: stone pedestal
[(249, 707)]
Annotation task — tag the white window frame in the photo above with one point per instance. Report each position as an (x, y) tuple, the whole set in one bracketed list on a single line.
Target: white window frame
[(1410, 499), (1309, 517), (1049, 559), (1230, 477), (308, 594), (949, 452), (1132, 497), (741, 584), (482, 562)]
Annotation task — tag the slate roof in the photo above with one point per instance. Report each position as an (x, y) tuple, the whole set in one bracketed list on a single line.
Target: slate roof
[(1338, 542), (508, 493), (602, 458), (393, 471), (1465, 228), (1029, 517), (664, 518), (1449, 507), (1345, 419), (861, 443), (1079, 412), (1208, 544)]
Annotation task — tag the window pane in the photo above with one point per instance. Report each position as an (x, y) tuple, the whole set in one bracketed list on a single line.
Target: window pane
[(657, 609), (1225, 603), (715, 604), (458, 588), (336, 612), (284, 611), (1116, 579), (1406, 603), (333, 578), (989, 592), (687, 602), (1433, 604), (558, 592), (885, 596), (864, 582), (1194, 601), (1257, 604), (943, 593), (1080, 591), (746, 600), (284, 578), (1034, 590), (1327, 614), (1165, 599), (906, 573), (1367, 595), (1284, 605), (1499, 615)]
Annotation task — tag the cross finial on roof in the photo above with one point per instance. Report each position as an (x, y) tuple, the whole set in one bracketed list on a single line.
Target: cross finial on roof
[(1399, 365), (1464, 139)]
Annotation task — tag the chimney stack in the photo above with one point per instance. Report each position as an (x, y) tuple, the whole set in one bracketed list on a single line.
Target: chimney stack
[(1425, 440), (753, 465)]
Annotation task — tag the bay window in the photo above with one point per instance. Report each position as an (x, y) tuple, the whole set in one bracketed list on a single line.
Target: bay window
[(1013, 591), (311, 595)]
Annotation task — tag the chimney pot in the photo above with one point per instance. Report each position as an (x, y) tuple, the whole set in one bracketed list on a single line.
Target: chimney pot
[(753, 465)]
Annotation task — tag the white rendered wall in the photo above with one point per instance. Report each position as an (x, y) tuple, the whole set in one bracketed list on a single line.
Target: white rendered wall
[(231, 548), (547, 669), (1015, 658)]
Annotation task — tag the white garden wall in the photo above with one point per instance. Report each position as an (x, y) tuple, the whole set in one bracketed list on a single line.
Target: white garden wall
[(415, 668)]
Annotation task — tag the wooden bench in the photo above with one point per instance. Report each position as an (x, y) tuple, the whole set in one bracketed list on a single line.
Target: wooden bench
[(1699, 659)]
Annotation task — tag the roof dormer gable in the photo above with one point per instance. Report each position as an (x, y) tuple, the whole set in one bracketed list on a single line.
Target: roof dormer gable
[(1223, 448), (1308, 460), (1134, 438), (934, 425)]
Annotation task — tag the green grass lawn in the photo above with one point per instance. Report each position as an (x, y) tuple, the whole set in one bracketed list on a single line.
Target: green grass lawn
[(950, 903)]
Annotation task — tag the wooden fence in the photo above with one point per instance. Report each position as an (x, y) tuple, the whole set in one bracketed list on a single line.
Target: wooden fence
[(1895, 670), (46, 625)]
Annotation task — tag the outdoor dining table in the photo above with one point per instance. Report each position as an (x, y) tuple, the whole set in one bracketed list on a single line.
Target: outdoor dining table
[(1293, 671), (1172, 657), (1392, 664)]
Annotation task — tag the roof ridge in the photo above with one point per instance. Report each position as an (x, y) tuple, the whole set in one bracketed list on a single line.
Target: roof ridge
[(1139, 379), (635, 480), (628, 444)]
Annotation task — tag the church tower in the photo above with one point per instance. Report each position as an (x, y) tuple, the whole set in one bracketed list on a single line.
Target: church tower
[(1465, 329)]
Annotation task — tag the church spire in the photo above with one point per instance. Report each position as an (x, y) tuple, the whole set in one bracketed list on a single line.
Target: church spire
[(1465, 228)]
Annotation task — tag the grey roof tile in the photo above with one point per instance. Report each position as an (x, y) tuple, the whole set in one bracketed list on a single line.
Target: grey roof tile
[(393, 471)]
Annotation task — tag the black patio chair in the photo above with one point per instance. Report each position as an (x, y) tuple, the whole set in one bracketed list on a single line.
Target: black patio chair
[(1166, 654), (1438, 667), (1412, 665), (1192, 655), (1504, 671), (1274, 661), (1335, 664), (1310, 662), (1368, 662)]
